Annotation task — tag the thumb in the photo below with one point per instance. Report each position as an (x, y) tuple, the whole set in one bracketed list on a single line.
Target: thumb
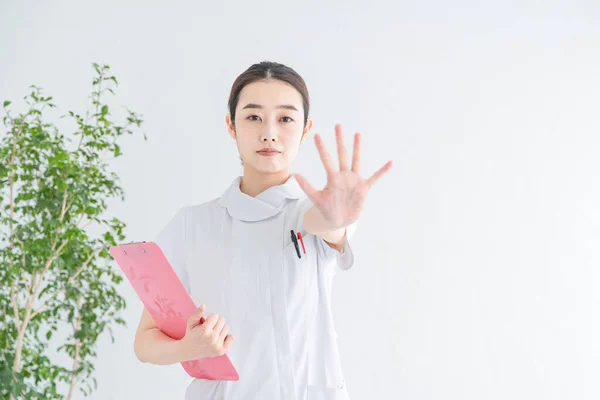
[(311, 192), (194, 319)]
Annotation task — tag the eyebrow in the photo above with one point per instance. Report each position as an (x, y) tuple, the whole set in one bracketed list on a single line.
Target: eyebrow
[(283, 106)]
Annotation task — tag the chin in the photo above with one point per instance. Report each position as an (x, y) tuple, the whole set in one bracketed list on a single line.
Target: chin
[(269, 167)]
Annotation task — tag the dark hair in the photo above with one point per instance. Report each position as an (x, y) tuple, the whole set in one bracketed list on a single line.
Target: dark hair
[(266, 70)]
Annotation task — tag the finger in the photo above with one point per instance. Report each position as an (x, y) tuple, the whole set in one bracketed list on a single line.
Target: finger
[(371, 181), (227, 342), (311, 192), (356, 154), (219, 325), (211, 321), (224, 332), (341, 149), (196, 317), (325, 157)]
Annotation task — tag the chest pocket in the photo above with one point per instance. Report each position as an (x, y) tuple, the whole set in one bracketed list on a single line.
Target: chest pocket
[(308, 240), (300, 271), (301, 299)]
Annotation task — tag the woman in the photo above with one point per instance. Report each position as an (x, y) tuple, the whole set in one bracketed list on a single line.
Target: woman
[(236, 257)]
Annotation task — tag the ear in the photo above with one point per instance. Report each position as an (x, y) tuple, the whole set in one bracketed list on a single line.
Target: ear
[(230, 126), (306, 131)]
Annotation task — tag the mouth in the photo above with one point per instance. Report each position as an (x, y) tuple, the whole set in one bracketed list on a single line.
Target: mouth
[(268, 152)]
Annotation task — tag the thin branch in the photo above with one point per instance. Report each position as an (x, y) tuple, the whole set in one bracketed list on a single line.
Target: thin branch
[(47, 267), (11, 163), (70, 203), (61, 217), (50, 260), (24, 258), (49, 264), (76, 328), (64, 207), (87, 223), (85, 264), (13, 298), (71, 280)]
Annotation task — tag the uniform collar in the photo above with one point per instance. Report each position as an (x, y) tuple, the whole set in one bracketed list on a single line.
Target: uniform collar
[(266, 205)]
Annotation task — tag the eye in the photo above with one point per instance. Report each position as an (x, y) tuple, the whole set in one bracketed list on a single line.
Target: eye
[(290, 120), (253, 116)]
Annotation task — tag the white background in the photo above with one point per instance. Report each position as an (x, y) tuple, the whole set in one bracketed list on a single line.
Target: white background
[(477, 255)]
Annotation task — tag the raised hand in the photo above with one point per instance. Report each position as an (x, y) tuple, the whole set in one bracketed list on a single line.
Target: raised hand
[(341, 201)]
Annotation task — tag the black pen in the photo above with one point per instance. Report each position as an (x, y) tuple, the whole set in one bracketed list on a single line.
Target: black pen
[(296, 243)]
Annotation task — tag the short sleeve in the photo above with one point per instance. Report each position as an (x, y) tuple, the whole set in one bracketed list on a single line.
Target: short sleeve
[(171, 240), (344, 260)]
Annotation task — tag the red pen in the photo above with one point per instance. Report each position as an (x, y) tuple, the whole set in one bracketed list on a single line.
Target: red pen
[(301, 241)]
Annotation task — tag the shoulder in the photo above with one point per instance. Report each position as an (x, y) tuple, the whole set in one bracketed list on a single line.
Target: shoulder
[(188, 218), (205, 213), (206, 207)]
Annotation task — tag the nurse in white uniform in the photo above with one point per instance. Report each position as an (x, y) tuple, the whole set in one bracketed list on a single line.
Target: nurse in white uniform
[(266, 307)]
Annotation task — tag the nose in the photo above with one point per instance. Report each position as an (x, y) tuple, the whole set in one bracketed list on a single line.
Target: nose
[(269, 136)]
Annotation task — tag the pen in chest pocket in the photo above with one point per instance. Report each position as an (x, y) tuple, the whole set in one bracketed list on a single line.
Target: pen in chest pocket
[(295, 240)]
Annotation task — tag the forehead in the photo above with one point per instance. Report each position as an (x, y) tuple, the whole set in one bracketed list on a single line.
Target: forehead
[(270, 94)]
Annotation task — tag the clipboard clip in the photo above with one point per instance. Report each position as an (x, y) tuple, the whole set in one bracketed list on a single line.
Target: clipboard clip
[(143, 241)]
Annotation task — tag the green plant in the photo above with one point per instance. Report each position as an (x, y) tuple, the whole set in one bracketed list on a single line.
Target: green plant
[(52, 272)]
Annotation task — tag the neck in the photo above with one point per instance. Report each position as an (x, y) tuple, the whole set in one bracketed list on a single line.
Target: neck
[(254, 182)]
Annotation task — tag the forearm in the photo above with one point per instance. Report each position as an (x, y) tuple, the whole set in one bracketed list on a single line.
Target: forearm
[(154, 347)]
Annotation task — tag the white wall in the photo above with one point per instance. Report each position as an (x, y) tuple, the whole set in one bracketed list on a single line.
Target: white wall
[(477, 255)]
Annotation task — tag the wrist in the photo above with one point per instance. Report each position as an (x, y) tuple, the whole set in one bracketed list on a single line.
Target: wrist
[(181, 350)]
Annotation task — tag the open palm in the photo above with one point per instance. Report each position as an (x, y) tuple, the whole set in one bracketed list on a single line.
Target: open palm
[(341, 201)]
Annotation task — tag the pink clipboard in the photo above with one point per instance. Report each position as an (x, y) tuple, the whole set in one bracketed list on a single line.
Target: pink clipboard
[(166, 299)]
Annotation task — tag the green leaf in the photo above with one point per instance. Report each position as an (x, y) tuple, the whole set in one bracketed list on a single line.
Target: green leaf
[(45, 167)]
